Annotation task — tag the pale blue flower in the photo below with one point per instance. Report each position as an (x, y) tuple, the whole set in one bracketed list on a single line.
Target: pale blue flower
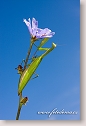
[(36, 32)]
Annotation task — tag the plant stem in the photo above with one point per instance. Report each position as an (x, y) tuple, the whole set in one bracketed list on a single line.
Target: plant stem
[(19, 107), (20, 96), (28, 54), (18, 113)]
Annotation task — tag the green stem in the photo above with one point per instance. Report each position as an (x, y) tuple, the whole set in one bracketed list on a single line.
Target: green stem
[(27, 57), (18, 113), (31, 44), (19, 107)]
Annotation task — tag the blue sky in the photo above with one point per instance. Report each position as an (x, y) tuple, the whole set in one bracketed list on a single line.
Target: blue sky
[(58, 84)]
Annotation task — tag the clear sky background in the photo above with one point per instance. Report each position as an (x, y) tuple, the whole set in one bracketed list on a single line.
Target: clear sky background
[(58, 84)]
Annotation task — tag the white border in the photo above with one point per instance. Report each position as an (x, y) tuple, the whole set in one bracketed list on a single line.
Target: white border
[(81, 122)]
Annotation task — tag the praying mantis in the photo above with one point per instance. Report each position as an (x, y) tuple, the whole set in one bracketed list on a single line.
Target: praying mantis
[(26, 74)]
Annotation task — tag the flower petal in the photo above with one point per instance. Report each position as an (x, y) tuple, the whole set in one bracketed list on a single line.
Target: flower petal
[(34, 23), (43, 33), (34, 31), (28, 25)]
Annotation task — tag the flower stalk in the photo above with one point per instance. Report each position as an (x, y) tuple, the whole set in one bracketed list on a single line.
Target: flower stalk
[(27, 71), (19, 107), (20, 96), (31, 44)]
